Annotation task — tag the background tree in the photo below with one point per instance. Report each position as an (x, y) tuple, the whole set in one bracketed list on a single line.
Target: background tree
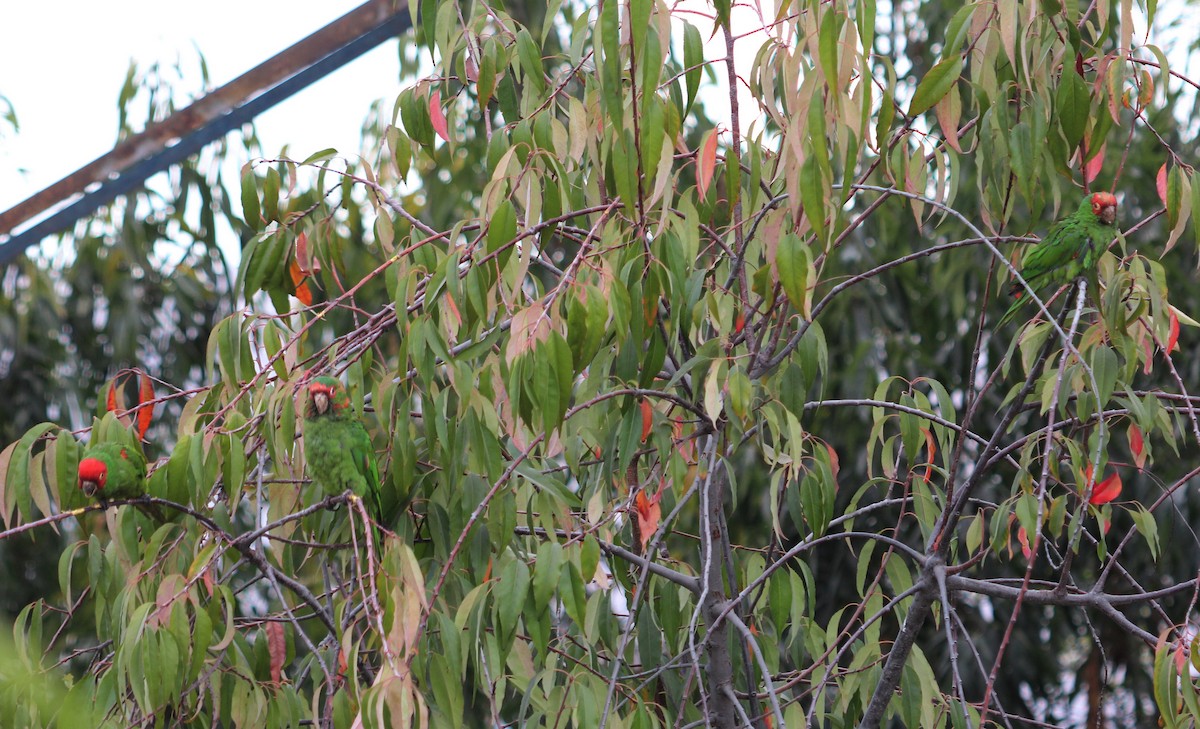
[(696, 424)]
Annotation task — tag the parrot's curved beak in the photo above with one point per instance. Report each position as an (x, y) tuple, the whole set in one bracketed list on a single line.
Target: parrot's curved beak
[(89, 488), (321, 401)]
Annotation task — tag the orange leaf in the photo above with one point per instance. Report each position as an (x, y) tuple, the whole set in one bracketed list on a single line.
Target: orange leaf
[(739, 322), (300, 283), (1160, 183), (931, 446), (649, 513), (647, 418), (1106, 490), (277, 650), (145, 410), (1091, 167), (1023, 538), (1173, 337), (834, 463), (1137, 446), (706, 162), (436, 116)]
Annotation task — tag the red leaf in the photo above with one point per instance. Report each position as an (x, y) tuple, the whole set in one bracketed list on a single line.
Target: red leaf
[(647, 418), (739, 322), (706, 162), (1160, 183), (1137, 446), (1106, 490), (1173, 337), (1091, 167), (436, 116), (277, 650), (112, 397), (145, 410)]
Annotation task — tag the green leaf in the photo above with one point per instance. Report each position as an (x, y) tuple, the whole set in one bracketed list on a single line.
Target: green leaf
[(936, 84), (1146, 525), (1073, 105), (792, 262), (511, 589), (546, 571), (251, 212), (531, 61), (693, 61), (1105, 368)]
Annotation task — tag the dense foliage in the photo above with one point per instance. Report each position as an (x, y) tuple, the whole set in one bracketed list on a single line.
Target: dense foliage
[(690, 421)]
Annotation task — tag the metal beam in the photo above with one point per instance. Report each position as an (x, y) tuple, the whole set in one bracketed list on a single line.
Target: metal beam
[(209, 118)]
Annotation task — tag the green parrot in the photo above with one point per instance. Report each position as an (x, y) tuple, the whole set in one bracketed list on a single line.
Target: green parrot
[(336, 445), (1070, 250), (112, 471)]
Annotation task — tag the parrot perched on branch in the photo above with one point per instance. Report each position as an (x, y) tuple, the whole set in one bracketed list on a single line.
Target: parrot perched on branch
[(1071, 248), (112, 471), (336, 445)]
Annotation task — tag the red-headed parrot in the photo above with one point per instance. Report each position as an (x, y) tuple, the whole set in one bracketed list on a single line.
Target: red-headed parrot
[(1071, 248), (336, 445), (112, 471)]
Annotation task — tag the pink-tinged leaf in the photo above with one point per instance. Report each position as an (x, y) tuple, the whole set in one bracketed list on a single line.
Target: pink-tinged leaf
[(436, 117), (304, 255), (207, 580), (834, 464), (1160, 183), (1091, 168), (1148, 350), (277, 650), (1173, 336), (647, 418), (471, 68), (1106, 490), (452, 307), (1137, 446), (145, 408), (706, 162)]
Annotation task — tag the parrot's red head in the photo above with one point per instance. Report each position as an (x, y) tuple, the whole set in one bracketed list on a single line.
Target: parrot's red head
[(325, 395), (93, 474), (1104, 207)]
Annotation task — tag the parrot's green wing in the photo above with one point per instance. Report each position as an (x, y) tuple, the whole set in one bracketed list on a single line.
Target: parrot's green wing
[(363, 455), (1070, 249)]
